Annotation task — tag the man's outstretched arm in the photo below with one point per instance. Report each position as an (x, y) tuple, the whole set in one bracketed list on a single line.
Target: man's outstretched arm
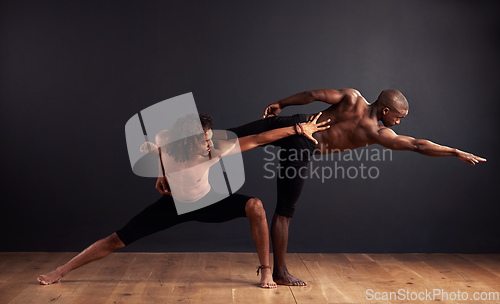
[(328, 96), (162, 182), (307, 129), (389, 139)]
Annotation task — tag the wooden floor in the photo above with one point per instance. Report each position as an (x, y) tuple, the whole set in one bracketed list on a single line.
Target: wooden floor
[(231, 278)]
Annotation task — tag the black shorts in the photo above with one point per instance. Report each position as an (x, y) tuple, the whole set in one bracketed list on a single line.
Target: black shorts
[(298, 146), (162, 215)]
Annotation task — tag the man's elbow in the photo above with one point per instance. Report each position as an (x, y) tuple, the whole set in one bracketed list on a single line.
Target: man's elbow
[(408, 147), (404, 146), (419, 146)]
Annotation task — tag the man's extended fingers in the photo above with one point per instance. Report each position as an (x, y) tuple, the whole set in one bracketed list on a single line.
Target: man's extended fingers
[(478, 159), (266, 112), (316, 117), (166, 192), (324, 122)]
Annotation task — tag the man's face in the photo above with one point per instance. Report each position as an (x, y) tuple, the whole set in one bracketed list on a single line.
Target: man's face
[(207, 145), (392, 117)]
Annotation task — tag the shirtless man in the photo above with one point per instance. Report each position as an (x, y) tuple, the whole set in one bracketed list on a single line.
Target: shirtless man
[(354, 124), (191, 158)]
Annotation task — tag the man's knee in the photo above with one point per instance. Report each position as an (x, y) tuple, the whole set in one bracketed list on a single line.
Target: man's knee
[(255, 209), (114, 242)]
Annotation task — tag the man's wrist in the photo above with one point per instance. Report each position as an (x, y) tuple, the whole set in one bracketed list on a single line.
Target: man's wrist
[(299, 129)]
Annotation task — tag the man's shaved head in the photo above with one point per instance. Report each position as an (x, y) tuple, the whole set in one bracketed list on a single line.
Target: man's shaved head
[(393, 99)]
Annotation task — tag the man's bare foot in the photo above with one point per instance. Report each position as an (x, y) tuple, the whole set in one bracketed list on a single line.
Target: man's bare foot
[(50, 277), (266, 279), (288, 279)]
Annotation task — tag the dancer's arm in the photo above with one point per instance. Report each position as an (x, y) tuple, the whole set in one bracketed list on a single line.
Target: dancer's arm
[(389, 139), (162, 181), (328, 96), (252, 141)]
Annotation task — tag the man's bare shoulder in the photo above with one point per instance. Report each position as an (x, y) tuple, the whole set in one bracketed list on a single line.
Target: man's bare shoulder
[(161, 138), (351, 96), (353, 100)]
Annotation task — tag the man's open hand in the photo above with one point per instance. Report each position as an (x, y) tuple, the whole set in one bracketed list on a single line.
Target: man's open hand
[(312, 127), (272, 110), (471, 159), (161, 186)]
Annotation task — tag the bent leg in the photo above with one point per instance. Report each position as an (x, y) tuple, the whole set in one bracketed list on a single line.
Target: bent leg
[(260, 234), (96, 251)]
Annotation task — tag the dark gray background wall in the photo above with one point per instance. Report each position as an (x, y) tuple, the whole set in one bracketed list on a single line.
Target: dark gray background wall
[(73, 72)]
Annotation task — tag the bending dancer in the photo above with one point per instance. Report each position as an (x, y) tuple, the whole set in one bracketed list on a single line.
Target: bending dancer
[(194, 156), (354, 124)]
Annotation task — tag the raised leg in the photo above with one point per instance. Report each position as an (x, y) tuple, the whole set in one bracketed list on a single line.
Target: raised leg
[(260, 233), (96, 251)]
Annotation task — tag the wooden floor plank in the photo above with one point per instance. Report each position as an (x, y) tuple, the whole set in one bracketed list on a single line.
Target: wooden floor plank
[(190, 280), (405, 279), (443, 272), (463, 273), (134, 281), (245, 284), (490, 262), (311, 293), (330, 273), (217, 277), (106, 278), (20, 283), (165, 270)]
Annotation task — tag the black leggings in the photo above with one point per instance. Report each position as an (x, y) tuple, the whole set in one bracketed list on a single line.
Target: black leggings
[(162, 215), (296, 151)]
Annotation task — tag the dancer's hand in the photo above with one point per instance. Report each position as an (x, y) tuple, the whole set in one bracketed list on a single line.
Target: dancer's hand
[(161, 186), (311, 127), (471, 159), (272, 110)]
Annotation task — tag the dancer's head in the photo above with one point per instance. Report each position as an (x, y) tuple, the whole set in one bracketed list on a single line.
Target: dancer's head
[(188, 145), (391, 107)]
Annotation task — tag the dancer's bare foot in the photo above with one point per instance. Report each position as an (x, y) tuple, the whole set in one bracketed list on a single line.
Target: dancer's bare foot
[(266, 279), (287, 279), (50, 277)]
